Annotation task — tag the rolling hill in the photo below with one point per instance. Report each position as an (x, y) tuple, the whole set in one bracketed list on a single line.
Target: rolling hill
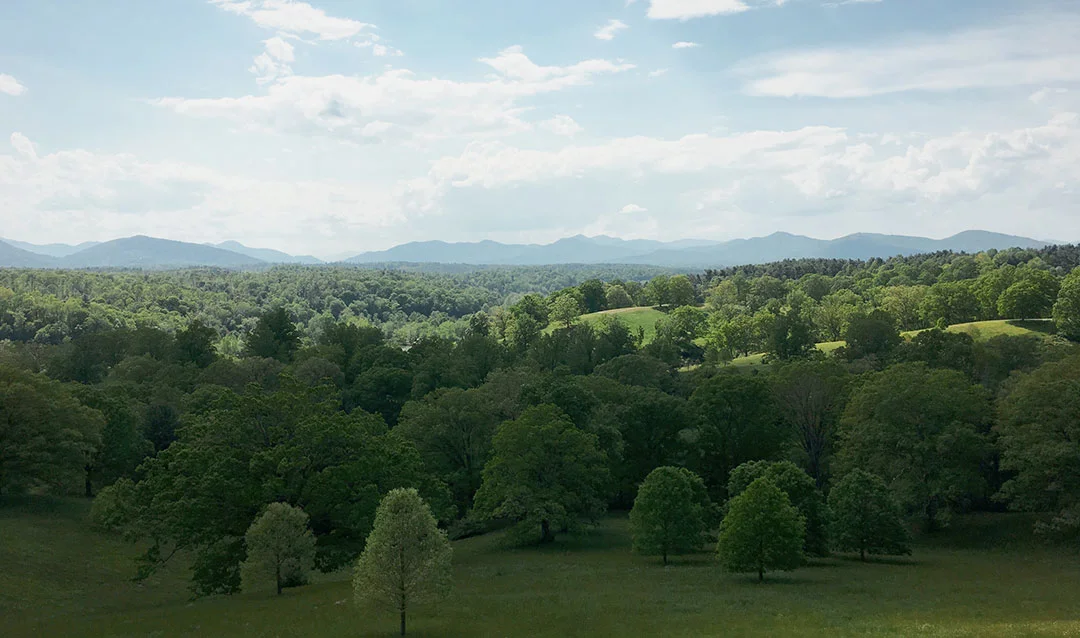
[(149, 252), (268, 255), (51, 250), (12, 257)]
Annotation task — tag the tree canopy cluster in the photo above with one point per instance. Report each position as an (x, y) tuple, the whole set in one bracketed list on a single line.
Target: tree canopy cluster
[(269, 457)]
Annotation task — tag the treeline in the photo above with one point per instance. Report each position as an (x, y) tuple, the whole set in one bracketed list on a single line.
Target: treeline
[(51, 306)]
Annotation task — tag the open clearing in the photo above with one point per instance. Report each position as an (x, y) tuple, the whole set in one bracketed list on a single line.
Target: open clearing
[(642, 317), (984, 577)]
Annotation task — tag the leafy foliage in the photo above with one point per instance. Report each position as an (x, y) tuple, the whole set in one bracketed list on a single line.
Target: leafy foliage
[(669, 513), (545, 473), (407, 557), (865, 518), (279, 547), (761, 532)]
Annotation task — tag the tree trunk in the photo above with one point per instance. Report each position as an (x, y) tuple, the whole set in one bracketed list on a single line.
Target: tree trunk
[(931, 515), (665, 557), (862, 554), (277, 577), (402, 622), (545, 532), (760, 574), (88, 484)]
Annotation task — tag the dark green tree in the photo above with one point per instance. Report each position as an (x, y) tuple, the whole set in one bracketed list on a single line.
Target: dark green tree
[(1039, 435), (274, 337), (865, 518), (545, 473), (801, 491), (923, 432)]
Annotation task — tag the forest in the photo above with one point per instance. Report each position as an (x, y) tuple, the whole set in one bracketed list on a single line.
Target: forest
[(264, 429)]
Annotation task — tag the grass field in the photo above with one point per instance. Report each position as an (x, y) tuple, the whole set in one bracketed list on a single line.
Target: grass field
[(991, 329), (985, 577), (980, 330), (639, 317)]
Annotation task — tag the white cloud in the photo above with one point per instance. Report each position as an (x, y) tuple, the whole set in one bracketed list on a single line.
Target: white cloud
[(297, 18), (562, 125), (633, 208), (1040, 96), (608, 31), (274, 62), (79, 195), (657, 73), (813, 180), (685, 45), (23, 145), (424, 107), (690, 9), (1041, 50), (10, 85), (687, 9)]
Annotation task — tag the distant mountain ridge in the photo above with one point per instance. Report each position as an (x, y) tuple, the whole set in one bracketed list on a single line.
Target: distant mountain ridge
[(691, 254)]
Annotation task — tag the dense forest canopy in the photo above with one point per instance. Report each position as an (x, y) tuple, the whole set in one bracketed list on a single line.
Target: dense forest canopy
[(190, 401)]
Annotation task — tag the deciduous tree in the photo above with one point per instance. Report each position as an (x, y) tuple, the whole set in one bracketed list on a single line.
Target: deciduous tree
[(761, 532), (668, 517), (865, 517), (407, 557), (279, 546)]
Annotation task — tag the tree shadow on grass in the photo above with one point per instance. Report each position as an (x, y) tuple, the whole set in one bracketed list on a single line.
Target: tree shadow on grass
[(905, 561)]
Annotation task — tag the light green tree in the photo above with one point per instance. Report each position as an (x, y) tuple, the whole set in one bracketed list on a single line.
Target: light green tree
[(669, 513), (865, 518), (407, 557), (761, 532), (279, 546), (565, 309), (1067, 308)]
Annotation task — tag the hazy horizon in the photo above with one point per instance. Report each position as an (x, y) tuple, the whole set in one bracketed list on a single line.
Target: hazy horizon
[(331, 128)]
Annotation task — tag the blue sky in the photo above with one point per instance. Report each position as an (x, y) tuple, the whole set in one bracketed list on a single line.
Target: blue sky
[(335, 126)]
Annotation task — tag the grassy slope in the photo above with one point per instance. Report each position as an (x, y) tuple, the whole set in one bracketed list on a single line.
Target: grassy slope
[(61, 579), (979, 329), (639, 317)]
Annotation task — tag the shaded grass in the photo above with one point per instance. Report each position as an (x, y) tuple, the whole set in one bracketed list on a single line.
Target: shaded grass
[(982, 330), (584, 584)]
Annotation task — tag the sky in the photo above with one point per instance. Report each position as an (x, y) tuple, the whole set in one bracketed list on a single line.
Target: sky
[(332, 127)]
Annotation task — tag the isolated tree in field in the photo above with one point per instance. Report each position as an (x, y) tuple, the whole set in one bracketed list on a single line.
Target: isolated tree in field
[(280, 547), (1067, 308), (800, 490), (865, 518), (274, 337), (407, 557), (545, 473), (669, 513), (565, 309), (1039, 435), (761, 532), (921, 430)]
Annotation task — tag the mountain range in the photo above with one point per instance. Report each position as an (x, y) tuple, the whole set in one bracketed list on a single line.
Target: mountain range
[(149, 252)]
